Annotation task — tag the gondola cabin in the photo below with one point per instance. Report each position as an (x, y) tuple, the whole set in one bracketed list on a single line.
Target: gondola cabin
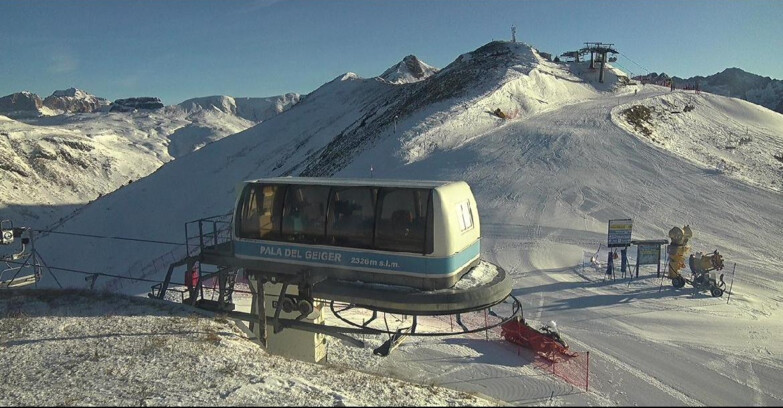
[(421, 234)]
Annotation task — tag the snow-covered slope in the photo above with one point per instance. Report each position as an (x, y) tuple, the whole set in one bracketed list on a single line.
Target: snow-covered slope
[(119, 351), (547, 179), (733, 137), (51, 166), (252, 109)]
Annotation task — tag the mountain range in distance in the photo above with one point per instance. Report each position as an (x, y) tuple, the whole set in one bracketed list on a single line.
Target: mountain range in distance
[(732, 82), (26, 104)]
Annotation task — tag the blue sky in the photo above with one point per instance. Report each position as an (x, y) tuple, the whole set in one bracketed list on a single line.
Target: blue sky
[(177, 50)]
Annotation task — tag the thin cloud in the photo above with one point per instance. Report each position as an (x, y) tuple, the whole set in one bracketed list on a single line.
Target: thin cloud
[(63, 62), (254, 6)]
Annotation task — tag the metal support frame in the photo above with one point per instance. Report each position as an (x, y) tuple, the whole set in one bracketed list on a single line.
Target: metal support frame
[(32, 259)]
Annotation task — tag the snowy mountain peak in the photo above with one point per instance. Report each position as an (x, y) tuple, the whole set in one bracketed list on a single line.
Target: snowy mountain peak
[(409, 70), (75, 100), (348, 76), (71, 92)]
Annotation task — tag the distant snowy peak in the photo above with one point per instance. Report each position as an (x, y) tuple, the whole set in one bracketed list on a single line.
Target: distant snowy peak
[(261, 109), (253, 109), (222, 103), (409, 70), (75, 100), (71, 93)]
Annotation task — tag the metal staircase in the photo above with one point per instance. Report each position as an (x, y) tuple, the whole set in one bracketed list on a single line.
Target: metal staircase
[(203, 237)]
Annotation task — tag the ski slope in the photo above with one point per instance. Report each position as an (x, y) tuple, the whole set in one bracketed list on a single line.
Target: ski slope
[(546, 187), (546, 184)]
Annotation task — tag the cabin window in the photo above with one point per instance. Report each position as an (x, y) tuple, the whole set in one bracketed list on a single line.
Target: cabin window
[(260, 212), (249, 214), (464, 216), (304, 214), (352, 217), (271, 207), (402, 220)]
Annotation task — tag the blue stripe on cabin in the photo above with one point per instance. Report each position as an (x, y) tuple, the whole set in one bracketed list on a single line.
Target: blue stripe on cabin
[(355, 259)]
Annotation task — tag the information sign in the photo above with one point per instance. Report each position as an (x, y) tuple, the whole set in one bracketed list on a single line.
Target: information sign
[(620, 233)]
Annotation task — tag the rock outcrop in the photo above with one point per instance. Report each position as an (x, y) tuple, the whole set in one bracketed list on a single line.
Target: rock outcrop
[(140, 103), (21, 104)]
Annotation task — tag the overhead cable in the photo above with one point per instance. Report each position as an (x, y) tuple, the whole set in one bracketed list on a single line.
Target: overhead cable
[(110, 237)]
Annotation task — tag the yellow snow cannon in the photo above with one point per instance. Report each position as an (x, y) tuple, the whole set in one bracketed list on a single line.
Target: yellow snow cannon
[(676, 250)]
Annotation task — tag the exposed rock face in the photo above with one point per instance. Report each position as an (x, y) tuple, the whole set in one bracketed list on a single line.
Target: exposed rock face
[(75, 101), (131, 104), (21, 103)]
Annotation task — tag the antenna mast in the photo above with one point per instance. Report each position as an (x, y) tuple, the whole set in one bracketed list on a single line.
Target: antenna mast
[(513, 34)]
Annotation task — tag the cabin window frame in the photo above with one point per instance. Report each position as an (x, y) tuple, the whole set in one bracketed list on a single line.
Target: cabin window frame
[(417, 207), (465, 223)]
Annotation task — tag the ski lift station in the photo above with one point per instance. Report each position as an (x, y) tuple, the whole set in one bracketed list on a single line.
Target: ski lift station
[(380, 246)]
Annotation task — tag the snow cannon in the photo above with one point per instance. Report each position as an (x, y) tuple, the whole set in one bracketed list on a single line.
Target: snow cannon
[(676, 250), (701, 263), (703, 278)]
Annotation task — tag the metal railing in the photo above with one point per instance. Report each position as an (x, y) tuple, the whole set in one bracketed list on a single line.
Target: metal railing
[(207, 233)]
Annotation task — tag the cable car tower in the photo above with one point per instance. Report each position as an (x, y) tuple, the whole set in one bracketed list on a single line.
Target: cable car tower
[(600, 50)]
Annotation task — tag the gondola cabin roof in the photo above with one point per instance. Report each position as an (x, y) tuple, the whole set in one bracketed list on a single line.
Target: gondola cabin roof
[(353, 182)]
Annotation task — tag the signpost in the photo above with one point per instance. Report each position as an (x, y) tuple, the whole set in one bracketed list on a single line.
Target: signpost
[(620, 233), (619, 236), (649, 253)]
